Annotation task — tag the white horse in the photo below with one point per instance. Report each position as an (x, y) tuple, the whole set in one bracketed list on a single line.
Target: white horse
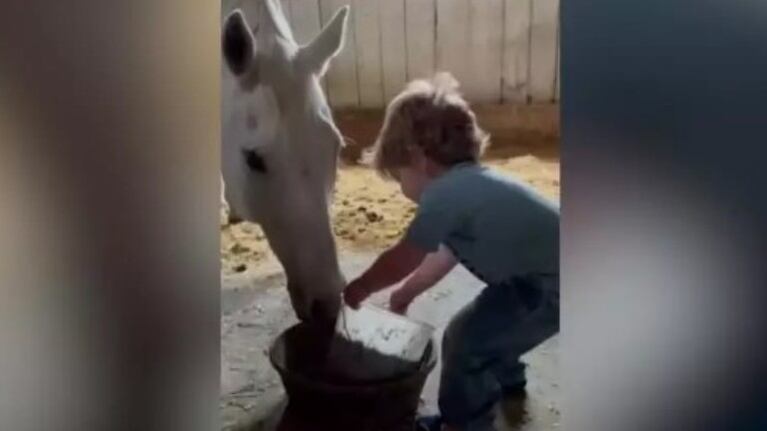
[(280, 148)]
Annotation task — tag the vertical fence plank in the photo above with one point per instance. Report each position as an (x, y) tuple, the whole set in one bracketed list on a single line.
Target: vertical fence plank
[(341, 78), (369, 69), (393, 47), (452, 40), (421, 31), (485, 51), (516, 51), (543, 49)]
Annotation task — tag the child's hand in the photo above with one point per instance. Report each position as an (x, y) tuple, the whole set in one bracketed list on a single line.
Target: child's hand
[(400, 300), (355, 293), (391, 266)]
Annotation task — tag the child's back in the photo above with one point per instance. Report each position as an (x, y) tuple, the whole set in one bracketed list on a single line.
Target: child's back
[(498, 227)]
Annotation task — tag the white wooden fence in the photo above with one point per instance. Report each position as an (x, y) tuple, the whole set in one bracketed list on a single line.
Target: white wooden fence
[(501, 51)]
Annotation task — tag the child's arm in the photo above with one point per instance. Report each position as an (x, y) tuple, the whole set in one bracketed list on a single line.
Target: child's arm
[(434, 267), (391, 266)]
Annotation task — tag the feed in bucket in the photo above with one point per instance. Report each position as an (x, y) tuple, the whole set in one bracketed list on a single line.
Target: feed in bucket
[(380, 344)]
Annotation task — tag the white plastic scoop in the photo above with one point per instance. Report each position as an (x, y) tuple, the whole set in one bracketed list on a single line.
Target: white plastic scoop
[(381, 344)]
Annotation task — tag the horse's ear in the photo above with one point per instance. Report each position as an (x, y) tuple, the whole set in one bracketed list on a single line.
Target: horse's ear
[(315, 56), (238, 44)]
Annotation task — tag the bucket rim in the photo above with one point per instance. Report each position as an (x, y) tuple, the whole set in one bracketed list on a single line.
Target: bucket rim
[(425, 368), (431, 328)]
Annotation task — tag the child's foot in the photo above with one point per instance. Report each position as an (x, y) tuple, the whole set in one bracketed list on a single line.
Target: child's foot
[(429, 423)]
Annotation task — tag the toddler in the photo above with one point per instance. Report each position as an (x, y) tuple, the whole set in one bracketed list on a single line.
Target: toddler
[(501, 230)]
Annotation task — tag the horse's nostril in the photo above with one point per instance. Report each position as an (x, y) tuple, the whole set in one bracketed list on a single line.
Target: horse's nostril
[(254, 161)]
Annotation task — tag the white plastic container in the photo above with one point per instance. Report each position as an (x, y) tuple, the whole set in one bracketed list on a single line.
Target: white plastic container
[(401, 342)]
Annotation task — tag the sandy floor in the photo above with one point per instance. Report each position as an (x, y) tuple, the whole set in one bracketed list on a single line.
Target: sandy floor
[(370, 213)]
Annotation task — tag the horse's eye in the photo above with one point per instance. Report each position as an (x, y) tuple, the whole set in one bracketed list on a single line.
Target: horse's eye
[(254, 161)]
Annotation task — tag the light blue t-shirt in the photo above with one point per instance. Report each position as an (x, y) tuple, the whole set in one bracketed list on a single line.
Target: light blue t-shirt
[(496, 226)]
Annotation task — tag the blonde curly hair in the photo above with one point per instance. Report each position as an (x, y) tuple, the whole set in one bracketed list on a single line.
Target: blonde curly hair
[(430, 115)]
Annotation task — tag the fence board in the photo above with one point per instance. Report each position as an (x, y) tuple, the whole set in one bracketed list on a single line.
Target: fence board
[(369, 69), (421, 31), (342, 77), (485, 49), (543, 49), (452, 41), (393, 47), (516, 51)]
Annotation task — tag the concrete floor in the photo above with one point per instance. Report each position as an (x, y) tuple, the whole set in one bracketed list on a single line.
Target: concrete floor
[(255, 309)]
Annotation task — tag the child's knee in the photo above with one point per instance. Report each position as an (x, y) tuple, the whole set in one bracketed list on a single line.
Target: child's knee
[(466, 344), (460, 357)]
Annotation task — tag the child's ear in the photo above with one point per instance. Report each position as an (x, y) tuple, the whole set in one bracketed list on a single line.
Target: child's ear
[(419, 159), (430, 168)]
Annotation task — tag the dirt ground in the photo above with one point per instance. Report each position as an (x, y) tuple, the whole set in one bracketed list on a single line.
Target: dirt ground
[(370, 213)]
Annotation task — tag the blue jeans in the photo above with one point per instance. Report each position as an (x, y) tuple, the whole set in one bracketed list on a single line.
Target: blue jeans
[(483, 342)]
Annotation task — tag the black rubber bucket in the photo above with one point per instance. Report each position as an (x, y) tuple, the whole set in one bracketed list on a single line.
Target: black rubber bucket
[(317, 401)]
